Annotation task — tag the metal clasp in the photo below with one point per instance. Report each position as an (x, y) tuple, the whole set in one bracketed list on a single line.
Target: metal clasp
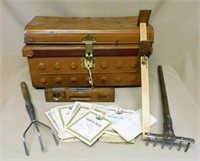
[(88, 61)]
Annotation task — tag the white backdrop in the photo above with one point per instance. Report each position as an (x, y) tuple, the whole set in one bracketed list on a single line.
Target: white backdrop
[(176, 25)]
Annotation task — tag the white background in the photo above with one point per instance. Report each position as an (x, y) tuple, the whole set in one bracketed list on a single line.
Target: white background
[(176, 47)]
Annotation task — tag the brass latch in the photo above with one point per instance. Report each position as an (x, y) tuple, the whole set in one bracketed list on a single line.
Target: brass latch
[(88, 61)]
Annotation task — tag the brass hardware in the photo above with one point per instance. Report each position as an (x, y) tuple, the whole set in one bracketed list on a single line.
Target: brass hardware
[(88, 61), (144, 60)]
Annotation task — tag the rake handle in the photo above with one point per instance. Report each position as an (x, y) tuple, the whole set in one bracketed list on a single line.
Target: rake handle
[(168, 135), (167, 124), (163, 91)]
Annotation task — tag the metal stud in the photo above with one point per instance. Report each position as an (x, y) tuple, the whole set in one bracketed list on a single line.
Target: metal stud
[(57, 66)]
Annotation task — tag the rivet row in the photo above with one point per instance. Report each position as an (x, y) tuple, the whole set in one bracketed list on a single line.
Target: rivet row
[(73, 65), (74, 79)]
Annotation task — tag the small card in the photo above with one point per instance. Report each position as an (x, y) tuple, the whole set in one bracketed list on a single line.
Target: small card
[(67, 137), (88, 122), (67, 140), (131, 126), (59, 116), (62, 115), (65, 113), (83, 108), (89, 127), (79, 112), (107, 138), (52, 119), (115, 113), (63, 136)]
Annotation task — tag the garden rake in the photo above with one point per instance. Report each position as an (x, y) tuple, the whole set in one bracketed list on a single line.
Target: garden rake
[(168, 136)]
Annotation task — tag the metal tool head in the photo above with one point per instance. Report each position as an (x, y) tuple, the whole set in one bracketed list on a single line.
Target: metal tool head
[(168, 137), (30, 110), (36, 123), (169, 140)]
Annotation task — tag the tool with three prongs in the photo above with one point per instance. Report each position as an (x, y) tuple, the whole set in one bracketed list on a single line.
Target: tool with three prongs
[(168, 136), (30, 110)]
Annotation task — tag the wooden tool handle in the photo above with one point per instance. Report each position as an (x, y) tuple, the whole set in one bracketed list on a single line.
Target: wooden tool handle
[(163, 92), (29, 105), (25, 92)]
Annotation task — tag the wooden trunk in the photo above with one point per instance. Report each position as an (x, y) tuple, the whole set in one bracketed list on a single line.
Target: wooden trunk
[(58, 55)]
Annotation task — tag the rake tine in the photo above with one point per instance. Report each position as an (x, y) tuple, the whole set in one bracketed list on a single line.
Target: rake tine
[(180, 145), (171, 144), (163, 144), (155, 142), (147, 143), (187, 146), (169, 140)]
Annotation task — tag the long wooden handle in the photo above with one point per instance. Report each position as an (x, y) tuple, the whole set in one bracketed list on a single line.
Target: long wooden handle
[(163, 91)]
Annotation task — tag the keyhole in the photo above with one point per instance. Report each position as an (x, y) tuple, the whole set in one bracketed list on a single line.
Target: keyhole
[(57, 96)]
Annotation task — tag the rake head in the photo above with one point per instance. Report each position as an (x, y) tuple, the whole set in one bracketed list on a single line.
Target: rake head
[(170, 140)]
